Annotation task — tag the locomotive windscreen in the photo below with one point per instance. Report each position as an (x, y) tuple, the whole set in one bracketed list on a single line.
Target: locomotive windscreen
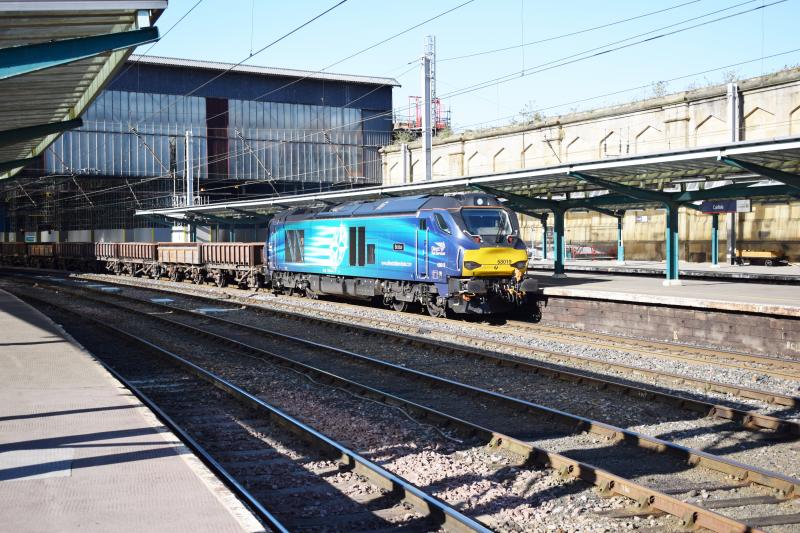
[(488, 223)]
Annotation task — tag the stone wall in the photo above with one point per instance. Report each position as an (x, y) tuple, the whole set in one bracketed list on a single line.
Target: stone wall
[(770, 107), (769, 226)]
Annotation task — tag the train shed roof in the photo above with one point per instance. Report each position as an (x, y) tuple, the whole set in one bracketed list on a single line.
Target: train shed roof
[(55, 58), (759, 169)]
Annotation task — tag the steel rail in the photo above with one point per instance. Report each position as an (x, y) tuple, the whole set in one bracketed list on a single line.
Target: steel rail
[(783, 484), (411, 334), (229, 480), (608, 484), (383, 326), (662, 349), (444, 515), (748, 419), (347, 320)]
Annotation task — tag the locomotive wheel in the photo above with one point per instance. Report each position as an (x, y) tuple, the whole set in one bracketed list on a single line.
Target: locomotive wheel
[(399, 305), (436, 311)]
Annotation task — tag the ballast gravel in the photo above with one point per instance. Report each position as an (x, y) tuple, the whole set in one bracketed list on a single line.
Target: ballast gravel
[(485, 485), (714, 436), (429, 328)]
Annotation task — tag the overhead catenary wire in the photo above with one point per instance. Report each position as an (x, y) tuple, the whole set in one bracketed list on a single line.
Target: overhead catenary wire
[(251, 55), (564, 35), (636, 88), (598, 51), (389, 113), (199, 165), (147, 51), (351, 56), (384, 114)]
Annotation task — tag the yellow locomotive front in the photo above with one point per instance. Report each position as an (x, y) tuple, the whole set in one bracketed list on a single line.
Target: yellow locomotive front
[(494, 262)]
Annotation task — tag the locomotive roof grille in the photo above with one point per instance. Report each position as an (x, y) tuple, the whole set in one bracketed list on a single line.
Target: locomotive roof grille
[(390, 206)]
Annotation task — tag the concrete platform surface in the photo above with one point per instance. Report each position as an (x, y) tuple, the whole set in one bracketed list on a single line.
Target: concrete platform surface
[(79, 452), (783, 274), (767, 298)]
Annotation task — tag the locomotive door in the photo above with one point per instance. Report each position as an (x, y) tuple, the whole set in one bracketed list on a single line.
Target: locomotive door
[(422, 249)]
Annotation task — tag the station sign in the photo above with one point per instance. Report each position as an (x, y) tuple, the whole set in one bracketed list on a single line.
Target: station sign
[(725, 206), (30, 238)]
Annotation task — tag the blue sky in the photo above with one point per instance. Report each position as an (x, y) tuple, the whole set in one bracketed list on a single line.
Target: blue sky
[(221, 30)]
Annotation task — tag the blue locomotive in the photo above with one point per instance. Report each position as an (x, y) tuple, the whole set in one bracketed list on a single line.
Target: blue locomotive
[(451, 254)]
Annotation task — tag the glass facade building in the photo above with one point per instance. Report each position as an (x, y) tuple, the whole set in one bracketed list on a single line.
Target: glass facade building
[(252, 131)]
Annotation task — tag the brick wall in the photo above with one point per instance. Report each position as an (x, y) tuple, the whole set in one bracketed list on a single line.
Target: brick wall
[(744, 332)]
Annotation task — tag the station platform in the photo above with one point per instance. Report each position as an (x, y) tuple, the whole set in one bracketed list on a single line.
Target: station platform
[(79, 452), (756, 273), (724, 295), (755, 317)]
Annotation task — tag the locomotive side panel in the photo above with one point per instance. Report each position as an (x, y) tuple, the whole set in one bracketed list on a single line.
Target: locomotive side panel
[(377, 247)]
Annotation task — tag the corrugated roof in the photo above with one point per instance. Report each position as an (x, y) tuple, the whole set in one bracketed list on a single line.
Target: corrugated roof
[(62, 92), (263, 71)]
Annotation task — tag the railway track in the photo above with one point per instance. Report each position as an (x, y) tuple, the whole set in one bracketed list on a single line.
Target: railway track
[(435, 331), (540, 375), (659, 467), (293, 477), (769, 365)]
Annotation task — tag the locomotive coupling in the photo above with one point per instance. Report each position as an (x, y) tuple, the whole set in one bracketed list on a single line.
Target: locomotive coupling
[(529, 285)]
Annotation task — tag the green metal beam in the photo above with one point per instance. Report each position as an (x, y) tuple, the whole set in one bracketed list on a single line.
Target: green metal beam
[(627, 190), (16, 163), (524, 202), (606, 199), (528, 202), (19, 60), (202, 217), (9, 137), (734, 191), (158, 220), (254, 216), (791, 180)]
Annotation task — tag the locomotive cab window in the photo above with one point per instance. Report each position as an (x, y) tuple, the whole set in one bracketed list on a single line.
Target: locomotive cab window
[(487, 223), (295, 244), (442, 223), (423, 224)]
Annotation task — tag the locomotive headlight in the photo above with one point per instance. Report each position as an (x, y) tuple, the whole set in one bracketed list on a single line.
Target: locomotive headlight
[(471, 265), (521, 265)]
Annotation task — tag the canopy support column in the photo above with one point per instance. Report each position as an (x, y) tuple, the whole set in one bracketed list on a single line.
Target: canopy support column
[(543, 219), (559, 247), (715, 240), (673, 252), (620, 243)]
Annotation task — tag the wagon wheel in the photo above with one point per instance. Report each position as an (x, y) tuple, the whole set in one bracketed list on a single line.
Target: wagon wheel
[(175, 275), (221, 279), (197, 277)]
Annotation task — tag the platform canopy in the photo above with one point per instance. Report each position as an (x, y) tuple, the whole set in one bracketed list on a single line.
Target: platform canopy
[(760, 169), (55, 58)]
